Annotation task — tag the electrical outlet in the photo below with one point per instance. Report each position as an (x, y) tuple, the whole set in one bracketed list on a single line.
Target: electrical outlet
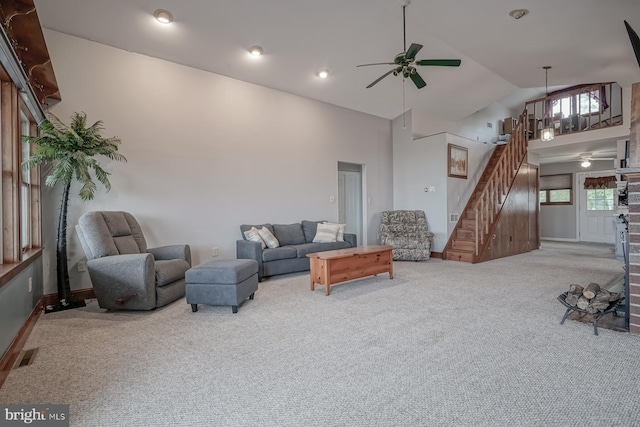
[(214, 251), (82, 266), (30, 284)]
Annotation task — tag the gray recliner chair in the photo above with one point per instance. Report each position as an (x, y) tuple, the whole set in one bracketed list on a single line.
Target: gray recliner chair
[(124, 272), (406, 231)]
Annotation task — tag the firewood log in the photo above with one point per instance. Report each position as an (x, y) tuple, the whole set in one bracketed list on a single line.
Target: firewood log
[(575, 292), (576, 289), (572, 299), (591, 290), (591, 309), (602, 296), (582, 303)]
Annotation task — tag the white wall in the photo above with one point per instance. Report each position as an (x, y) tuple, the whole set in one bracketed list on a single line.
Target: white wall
[(474, 127), (207, 153), (416, 165), (422, 163), (459, 190)]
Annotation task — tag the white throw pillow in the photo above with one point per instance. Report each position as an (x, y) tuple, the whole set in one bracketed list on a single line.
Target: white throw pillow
[(268, 238), (326, 233), (340, 236), (254, 236)]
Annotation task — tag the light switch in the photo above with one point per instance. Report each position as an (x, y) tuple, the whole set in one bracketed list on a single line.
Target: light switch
[(332, 199)]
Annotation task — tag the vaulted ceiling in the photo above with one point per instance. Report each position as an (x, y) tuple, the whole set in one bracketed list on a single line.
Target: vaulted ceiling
[(584, 41)]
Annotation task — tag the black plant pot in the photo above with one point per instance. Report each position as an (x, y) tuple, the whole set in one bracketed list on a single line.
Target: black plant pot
[(63, 305)]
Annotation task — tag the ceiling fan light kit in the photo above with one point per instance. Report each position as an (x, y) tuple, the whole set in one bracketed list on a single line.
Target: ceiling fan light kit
[(405, 62)]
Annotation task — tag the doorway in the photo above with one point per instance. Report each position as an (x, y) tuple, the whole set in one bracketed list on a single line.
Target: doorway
[(596, 211), (350, 205)]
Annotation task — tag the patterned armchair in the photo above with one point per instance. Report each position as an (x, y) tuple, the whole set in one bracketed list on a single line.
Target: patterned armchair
[(406, 232)]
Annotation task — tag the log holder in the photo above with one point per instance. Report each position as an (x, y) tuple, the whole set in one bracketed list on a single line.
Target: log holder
[(613, 307)]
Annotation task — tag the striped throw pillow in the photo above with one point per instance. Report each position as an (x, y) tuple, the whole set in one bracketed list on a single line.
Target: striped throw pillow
[(254, 236), (326, 233), (340, 236), (268, 238)]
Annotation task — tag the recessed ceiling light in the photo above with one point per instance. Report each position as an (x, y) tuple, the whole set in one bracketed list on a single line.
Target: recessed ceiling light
[(323, 74), (518, 13), (163, 16), (256, 50)]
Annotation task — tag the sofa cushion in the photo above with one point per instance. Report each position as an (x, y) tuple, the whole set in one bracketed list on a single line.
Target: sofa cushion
[(309, 229), (309, 248), (289, 234), (283, 252), (168, 271)]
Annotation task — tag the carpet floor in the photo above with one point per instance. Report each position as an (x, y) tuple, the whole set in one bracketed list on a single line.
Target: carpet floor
[(442, 344)]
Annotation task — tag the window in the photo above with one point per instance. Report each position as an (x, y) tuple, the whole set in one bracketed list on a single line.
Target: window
[(556, 189), (20, 188), (583, 102), (600, 199), (25, 187), (22, 95)]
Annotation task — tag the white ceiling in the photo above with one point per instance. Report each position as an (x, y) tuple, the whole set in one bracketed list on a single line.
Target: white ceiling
[(585, 41)]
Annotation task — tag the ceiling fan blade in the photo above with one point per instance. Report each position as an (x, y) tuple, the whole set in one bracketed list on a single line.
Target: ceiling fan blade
[(413, 50), (376, 63), (418, 80), (635, 40), (440, 62), (380, 78)]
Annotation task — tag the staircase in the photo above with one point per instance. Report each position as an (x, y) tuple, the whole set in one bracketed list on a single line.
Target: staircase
[(477, 222)]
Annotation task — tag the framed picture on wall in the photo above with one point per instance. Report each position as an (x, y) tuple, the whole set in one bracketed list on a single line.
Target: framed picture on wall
[(458, 161)]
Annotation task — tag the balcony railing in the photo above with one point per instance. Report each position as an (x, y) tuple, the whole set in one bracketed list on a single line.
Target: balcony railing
[(576, 109)]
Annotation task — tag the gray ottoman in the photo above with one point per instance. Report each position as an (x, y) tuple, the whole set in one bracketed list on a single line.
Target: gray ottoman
[(223, 282)]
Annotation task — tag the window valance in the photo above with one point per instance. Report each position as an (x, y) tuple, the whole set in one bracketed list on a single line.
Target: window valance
[(602, 182)]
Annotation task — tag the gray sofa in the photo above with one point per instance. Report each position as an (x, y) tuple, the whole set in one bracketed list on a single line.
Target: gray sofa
[(296, 241)]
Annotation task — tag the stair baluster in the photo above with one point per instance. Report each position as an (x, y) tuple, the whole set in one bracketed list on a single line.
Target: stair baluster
[(485, 205)]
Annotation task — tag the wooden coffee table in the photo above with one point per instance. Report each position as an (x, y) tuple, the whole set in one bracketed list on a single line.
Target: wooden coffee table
[(330, 267)]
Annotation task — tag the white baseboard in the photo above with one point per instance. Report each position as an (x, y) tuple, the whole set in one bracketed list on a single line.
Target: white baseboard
[(559, 239)]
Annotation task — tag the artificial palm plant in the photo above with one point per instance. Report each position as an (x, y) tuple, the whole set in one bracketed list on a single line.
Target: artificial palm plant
[(72, 149)]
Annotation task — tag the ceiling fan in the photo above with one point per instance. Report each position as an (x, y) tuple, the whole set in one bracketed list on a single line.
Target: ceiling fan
[(405, 62), (586, 158), (635, 40)]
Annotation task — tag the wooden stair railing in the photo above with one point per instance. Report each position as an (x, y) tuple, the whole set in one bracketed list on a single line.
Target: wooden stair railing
[(477, 222)]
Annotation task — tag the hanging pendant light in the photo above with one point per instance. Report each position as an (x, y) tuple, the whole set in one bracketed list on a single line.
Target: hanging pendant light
[(547, 131)]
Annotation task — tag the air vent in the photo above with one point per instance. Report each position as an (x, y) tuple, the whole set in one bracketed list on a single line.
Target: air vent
[(453, 217), (26, 358)]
